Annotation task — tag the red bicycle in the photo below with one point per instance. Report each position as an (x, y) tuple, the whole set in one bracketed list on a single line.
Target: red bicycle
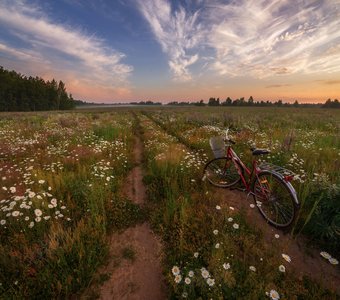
[(269, 184)]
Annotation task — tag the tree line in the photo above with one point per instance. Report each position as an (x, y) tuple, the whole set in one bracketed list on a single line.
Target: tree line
[(22, 93), (251, 102)]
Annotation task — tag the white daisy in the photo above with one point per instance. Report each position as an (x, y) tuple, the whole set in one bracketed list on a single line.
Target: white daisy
[(274, 295), (282, 268), (325, 255), (175, 270), (286, 258)]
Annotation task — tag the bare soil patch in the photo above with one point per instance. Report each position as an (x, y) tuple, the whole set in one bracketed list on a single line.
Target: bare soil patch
[(306, 261), (140, 276)]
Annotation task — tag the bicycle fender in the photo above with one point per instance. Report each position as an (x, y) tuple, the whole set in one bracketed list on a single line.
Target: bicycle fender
[(290, 187)]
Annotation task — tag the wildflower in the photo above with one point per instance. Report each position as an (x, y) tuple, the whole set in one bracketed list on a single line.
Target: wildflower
[(54, 202), (218, 207), (205, 274), (252, 205), (230, 219), (184, 294), (333, 261), (282, 268), (191, 274), (236, 226), (27, 218), (3, 222), (175, 270), (252, 268), (13, 189), (325, 255), (217, 245), (277, 236), (41, 181), (210, 281), (231, 208), (38, 212), (196, 254), (187, 280), (215, 232), (15, 213), (31, 225), (31, 195), (226, 266), (178, 278), (38, 219), (274, 295), (286, 258)]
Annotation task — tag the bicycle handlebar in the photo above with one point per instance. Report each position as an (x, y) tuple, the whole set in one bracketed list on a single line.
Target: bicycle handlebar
[(227, 137)]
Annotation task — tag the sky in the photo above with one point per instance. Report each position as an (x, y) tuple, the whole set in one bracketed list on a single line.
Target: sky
[(181, 50)]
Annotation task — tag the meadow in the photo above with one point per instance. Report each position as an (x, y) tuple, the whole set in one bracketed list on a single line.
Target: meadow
[(61, 196)]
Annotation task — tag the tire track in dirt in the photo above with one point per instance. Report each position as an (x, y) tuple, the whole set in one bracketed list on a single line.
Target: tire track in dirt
[(141, 277)]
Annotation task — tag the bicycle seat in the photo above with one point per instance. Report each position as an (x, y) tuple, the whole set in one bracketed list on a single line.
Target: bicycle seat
[(259, 151)]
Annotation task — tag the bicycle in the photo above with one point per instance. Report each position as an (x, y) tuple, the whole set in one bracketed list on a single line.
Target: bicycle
[(270, 185)]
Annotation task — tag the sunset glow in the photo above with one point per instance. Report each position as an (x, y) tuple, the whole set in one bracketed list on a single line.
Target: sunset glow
[(160, 50)]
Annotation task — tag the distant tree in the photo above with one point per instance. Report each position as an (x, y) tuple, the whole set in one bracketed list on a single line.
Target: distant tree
[(214, 102), (331, 104), (20, 93), (200, 103), (251, 101)]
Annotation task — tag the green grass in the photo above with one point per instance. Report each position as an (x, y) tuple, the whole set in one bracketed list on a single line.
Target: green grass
[(82, 159), (185, 216)]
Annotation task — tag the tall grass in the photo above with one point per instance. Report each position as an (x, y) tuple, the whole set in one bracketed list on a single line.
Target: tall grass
[(209, 249), (60, 198)]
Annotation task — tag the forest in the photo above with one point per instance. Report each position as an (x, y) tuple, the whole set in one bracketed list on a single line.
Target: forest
[(22, 93)]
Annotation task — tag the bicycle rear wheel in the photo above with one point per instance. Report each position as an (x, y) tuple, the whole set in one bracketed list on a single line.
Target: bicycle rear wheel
[(221, 172), (274, 199)]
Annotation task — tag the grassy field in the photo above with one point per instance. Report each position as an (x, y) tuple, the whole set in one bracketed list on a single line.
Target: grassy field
[(60, 197)]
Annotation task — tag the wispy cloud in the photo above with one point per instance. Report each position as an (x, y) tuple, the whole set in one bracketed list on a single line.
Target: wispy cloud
[(177, 31), (331, 82), (263, 38), (61, 48), (256, 38), (277, 86)]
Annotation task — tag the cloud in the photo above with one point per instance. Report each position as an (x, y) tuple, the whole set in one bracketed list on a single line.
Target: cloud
[(264, 38), (60, 48), (331, 82), (177, 31), (277, 86), (248, 38)]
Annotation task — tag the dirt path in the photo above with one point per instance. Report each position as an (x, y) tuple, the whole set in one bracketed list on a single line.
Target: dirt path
[(139, 277), (310, 264)]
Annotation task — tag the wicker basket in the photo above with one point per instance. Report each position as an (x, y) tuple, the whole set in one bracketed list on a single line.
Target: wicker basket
[(217, 146)]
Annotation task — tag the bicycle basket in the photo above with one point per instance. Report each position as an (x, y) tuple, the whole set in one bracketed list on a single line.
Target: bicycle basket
[(217, 146)]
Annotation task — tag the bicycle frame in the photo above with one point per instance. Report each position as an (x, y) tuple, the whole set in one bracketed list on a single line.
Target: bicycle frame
[(242, 167), (254, 172)]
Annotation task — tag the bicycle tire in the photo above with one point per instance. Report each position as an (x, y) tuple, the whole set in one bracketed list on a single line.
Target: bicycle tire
[(221, 172), (274, 199)]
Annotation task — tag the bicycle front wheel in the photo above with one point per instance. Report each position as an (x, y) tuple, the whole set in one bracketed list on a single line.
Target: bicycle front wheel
[(274, 199), (221, 172)]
